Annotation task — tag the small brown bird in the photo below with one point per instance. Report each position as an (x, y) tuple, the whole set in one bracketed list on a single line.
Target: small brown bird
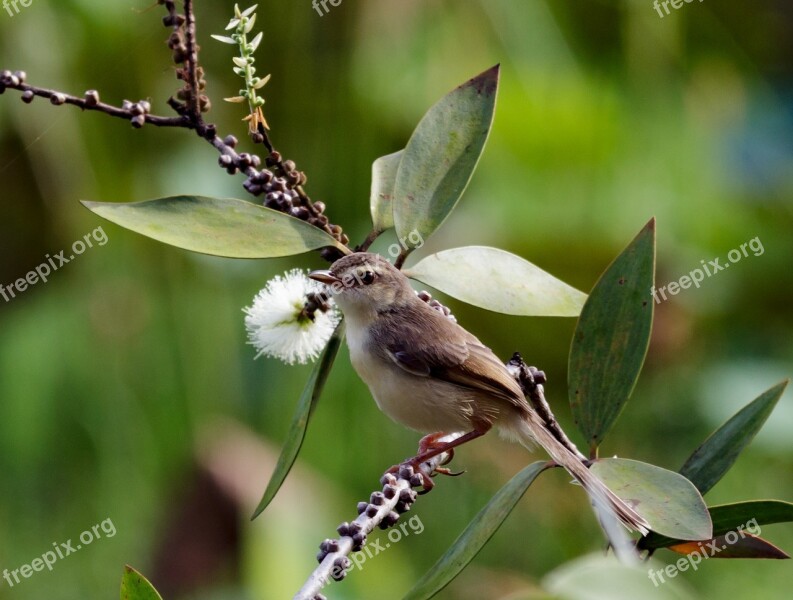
[(428, 373)]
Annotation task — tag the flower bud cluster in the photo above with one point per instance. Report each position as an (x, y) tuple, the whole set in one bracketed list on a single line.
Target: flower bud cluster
[(355, 530)]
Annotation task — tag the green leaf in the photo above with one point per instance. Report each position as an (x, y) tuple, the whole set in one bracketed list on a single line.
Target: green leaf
[(297, 430), (732, 517), (218, 226), (598, 577), (668, 501), (441, 155), (476, 535), (708, 464), (384, 171), (135, 586), (611, 339), (731, 546), (499, 281)]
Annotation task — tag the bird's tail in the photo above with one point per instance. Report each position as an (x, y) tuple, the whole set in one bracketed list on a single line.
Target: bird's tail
[(531, 431)]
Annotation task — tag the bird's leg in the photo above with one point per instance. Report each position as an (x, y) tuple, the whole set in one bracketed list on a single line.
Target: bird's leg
[(428, 442), (430, 446)]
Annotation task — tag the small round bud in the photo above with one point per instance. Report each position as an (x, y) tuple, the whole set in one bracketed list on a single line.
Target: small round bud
[(210, 132), (91, 98), (230, 141), (406, 472), (358, 540), (377, 498), (371, 511), (329, 545), (224, 160), (344, 529), (244, 161), (389, 520), (138, 121), (145, 106), (289, 166), (58, 99), (362, 506), (265, 176), (21, 76), (389, 491), (126, 105), (408, 496), (257, 138), (388, 479), (299, 212), (344, 239), (340, 567), (417, 480), (27, 96), (319, 206), (136, 109), (252, 187), (354, 527)]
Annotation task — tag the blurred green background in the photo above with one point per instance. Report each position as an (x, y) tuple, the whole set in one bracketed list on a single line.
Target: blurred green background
[(127, 390)]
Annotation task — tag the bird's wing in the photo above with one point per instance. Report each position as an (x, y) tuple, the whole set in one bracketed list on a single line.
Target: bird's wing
[(461, 360)]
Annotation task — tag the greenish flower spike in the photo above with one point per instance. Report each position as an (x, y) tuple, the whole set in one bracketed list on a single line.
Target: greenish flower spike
[(243, 23)]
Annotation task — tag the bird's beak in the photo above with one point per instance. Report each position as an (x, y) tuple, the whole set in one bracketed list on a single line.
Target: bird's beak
[(324, 276)]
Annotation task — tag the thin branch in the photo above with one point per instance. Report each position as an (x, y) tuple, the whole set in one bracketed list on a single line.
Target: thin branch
[(531, 381), (279, 181), (373, 235), (383, 509), (191, 60), (90, 101)]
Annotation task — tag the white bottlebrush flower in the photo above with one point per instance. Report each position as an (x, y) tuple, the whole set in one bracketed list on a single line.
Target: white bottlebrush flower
[(277, 326)]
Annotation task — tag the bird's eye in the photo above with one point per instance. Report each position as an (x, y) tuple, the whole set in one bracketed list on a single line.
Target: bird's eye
[(367, 277)]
